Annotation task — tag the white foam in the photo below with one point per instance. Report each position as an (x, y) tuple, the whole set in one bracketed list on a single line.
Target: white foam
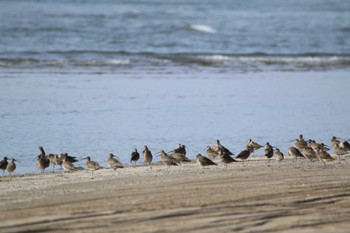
[(202, 28)]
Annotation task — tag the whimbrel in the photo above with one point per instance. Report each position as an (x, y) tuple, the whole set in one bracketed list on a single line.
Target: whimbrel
[(268, 151), (345, 144), (218, 147), (300, 144), (180, 157), (278, 154), (113, 162), (135, 156), (57, 161), (92, 166), (309, 153), (210, 152), (295, 152), (339, 150), (204, 161), (226, 159), (42, 160), (147, 156), (323, 156), (181, 149), (68, 166), (3, 165), (68, 158), (335, 141), (243, 155), (11, 166), (167, 160), (252, 146)]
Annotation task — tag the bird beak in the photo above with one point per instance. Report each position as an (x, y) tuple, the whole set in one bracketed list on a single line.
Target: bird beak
[(16, 160), (83, 159)]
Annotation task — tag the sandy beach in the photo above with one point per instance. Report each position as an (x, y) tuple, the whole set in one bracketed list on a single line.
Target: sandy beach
[(256, 196)]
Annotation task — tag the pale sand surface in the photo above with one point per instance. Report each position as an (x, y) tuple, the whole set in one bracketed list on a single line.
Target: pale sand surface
[(256, 196)]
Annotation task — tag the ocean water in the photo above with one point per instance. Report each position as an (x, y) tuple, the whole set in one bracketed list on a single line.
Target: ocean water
[(94, 77)]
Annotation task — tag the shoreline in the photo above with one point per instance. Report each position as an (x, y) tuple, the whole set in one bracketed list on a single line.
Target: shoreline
[(254, 196)]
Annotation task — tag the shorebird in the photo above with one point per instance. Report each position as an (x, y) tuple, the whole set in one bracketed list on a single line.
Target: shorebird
[(309, 153), (323, 156), (68, 166), (204, 161), (210, 152), (243, 155), (68, 158), (226, 159), (114, 163), (268, 151), (345, 144), (57, 161), (180, 157), (181, 149), (167, 160), (252, 146), (278, 154), (299, 144), (147, 156), (218, 147), (135, 156), (335, 141), (295, 152), (92, 166), (3, 165), (42, 162), (339, 150), (11, 166)]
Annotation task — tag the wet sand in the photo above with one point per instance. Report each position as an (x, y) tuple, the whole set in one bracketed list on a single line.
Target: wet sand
[(255, 196)]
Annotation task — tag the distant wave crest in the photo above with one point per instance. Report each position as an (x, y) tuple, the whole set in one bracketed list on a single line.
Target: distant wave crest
[(201, 28)]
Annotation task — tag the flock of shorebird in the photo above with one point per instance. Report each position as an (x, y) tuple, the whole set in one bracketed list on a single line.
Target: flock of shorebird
[(307, 149)]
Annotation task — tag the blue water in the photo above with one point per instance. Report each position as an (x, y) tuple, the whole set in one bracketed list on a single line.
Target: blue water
[(110, 36), (94, 77)]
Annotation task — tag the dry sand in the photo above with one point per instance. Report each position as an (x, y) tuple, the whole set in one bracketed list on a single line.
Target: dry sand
[(256, 196)]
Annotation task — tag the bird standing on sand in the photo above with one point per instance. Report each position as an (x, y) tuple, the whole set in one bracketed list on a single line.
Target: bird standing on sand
[(226, 159), (204, 161), (323, 156), (135, 156), (309, 153), (252, 146), (278, 154), (92, 166), (268, 151), (42, 161), (113, 162), (295, 152), (167, 160), (147, 156), (335, 141), (3, 165), (180, 157), (181, 149), (218, 147), (11, 166), (339, 150), (299, 144), (68, 166), (57, 161), (68, 158), (243, 155), (211, 153)]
